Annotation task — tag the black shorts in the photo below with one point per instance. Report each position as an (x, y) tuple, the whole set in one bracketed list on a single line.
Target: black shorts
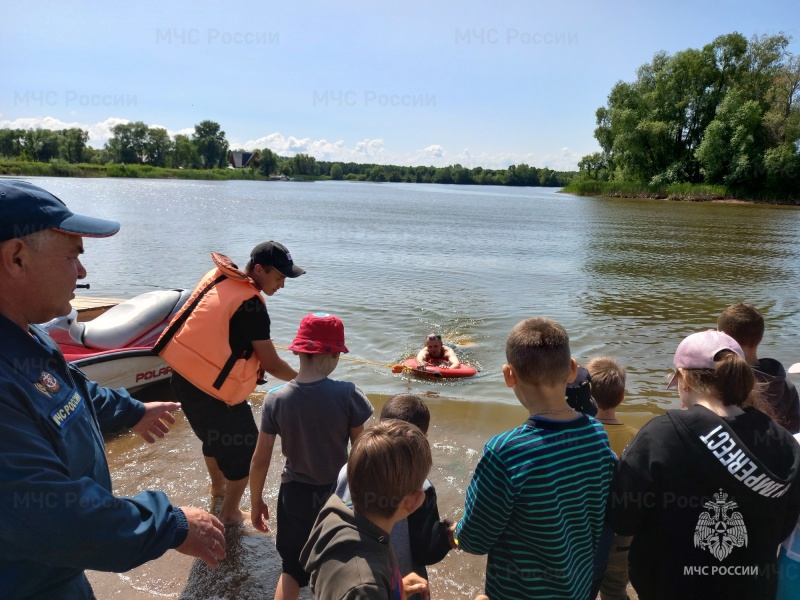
[(298, 507), (228, 433)]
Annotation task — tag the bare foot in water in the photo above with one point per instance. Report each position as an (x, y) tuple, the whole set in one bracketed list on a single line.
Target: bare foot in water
[(239, 518)]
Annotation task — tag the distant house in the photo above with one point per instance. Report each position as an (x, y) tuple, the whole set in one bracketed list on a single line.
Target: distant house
[(240, 160)]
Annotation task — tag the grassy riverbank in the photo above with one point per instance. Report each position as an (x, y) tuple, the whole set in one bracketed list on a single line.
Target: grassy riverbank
[(677, 191), (60, 168)]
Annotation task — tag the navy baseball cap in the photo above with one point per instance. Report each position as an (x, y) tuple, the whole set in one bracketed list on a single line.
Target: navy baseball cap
[(26, 209), (275, 255)]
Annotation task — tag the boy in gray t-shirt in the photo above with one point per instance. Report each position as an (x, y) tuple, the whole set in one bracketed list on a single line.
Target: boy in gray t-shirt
[(315, 417)]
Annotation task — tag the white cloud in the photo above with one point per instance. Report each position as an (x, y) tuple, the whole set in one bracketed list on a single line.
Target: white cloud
[(435, 151), (364, 151)]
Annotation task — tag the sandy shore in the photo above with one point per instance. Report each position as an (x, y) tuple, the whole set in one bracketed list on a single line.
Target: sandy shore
[(457, 434)]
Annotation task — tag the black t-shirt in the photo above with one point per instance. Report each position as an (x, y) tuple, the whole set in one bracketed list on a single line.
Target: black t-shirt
[(249, 323)]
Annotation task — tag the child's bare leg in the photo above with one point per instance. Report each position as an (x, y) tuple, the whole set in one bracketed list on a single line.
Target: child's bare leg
[(288, 588)]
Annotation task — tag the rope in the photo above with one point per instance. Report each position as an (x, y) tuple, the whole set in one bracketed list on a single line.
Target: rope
[(396, 368)]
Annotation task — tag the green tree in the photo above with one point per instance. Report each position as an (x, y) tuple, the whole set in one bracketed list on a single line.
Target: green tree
[(11, 142), (303, 164), (653, 129), (594, 166), (376, 174), (444, 175), (733, 148), (73, 145), (212, 147), (41, 145), (128, 143), (185, 155), (269, 162), (337, 172), (782, 118), (97, 157), (461, 175), (159, 147), (782, 166)]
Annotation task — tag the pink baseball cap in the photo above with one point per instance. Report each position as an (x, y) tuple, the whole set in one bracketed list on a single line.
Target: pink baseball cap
[(319, 333), (699, 349)]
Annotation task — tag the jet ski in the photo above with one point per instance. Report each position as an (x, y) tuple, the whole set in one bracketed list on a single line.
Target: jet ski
[(115, 349)]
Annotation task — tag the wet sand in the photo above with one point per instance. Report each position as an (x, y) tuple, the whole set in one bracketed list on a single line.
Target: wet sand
[(457, 434)]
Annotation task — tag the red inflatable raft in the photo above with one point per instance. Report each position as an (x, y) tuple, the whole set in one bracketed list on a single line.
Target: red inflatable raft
[(440, 369)]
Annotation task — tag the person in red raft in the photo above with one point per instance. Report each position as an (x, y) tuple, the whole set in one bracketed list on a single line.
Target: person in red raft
[(435, 353)]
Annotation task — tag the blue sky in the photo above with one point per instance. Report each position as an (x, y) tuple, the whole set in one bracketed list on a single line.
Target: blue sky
[(436, 83)]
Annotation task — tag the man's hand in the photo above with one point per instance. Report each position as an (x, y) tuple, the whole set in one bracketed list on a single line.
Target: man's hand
[(154, 422), (414, 584), (206, 538)]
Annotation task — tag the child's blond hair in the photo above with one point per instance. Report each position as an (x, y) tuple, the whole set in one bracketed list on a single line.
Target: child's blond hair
[(608, 381)]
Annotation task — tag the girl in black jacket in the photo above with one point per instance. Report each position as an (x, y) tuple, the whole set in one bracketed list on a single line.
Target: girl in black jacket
[(710, 492)]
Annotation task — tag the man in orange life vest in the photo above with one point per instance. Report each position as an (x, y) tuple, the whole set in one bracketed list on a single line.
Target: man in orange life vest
[(218, 346)]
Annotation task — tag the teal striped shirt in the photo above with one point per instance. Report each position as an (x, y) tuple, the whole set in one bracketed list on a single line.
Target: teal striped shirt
[(536, 505)]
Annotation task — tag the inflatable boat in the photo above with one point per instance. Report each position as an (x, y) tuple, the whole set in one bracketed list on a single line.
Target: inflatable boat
[(439, 368)]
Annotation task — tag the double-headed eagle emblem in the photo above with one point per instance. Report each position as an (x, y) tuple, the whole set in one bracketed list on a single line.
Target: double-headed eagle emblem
[(720, 533)]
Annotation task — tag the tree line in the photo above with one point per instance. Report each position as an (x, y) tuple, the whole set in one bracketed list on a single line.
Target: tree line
[(130, 143), (727, 114), (207, 148)]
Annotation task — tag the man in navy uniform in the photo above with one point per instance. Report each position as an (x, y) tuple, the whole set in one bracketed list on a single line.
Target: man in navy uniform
[(58, 515)]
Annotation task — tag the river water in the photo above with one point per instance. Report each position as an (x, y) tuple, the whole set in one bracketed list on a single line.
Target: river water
[(626, 278)]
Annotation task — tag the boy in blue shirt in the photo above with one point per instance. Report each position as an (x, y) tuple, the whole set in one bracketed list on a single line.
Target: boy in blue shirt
[(315, 417), (536, 502)]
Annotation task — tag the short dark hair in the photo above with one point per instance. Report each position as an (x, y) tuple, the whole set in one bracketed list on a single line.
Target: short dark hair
[(387, 462), (608, 381), (537, 349), (409, 408), (434, 336), (743, 323)]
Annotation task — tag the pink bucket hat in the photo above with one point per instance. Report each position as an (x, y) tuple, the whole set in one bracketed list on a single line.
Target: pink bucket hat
[(319, 333), (699, 349)]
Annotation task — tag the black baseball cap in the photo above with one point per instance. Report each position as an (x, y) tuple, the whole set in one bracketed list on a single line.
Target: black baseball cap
[(275, 255), (26, 209)]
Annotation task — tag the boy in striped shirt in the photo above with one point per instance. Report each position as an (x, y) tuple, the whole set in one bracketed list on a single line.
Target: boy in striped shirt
[(536, 502)]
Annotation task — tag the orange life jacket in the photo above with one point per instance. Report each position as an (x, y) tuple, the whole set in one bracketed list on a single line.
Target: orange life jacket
[(196, 342)]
